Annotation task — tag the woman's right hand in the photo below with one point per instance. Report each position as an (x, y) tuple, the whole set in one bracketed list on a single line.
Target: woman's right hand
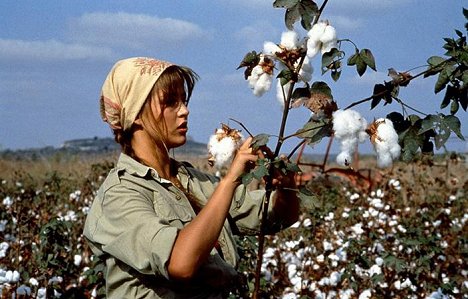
[(242, 162)]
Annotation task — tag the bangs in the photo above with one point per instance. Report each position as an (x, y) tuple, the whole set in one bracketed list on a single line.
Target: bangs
[(175, 82)]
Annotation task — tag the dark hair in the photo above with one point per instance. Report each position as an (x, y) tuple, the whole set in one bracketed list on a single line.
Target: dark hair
[(170, 81)]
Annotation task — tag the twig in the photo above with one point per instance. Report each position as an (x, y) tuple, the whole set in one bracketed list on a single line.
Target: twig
[(300, 144), (242, 125)]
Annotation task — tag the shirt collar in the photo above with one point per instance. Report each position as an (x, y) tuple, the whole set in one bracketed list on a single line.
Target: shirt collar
[(133, 167)]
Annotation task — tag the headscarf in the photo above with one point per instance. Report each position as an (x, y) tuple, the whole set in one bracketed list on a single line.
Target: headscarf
[(126, 88)]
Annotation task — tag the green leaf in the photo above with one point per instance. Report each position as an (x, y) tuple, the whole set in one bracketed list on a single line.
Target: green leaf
[(260, 171), (399, 122), (368, 58), (353, 58), (293, 167), (309, 10), (321, 87), (250, 58), (249, 61), (379, 93), (361, 66), (442, 81), (300, 93), (452, 122), (308, 199), (314, 131), (454, 107), (247, 178), (285, 3), (259, 141), (335, 74), (449, 95), (375, 101), (285, 76), (330, 59), (435, 61), (410, 140), (293, 14), (430, 122)]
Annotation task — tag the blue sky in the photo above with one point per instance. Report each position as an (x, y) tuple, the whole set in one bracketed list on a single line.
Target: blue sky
[(54, 56)]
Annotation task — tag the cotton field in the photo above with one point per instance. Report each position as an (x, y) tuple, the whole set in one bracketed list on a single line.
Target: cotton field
[(404, 237)]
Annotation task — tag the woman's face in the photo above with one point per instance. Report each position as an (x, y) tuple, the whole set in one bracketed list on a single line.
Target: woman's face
[(175, 117)]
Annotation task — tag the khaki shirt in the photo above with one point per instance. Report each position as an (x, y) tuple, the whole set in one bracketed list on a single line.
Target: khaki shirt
[(134, 221)]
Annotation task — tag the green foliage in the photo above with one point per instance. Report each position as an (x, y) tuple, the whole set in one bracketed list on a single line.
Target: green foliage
[(315, 130), (362, 59), (250, 60), (304, 10)]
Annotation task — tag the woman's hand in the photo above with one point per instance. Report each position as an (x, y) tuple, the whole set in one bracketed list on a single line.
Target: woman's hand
[(242, 162)]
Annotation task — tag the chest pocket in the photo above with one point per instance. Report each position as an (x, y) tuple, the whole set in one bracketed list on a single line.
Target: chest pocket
[(173, 209)]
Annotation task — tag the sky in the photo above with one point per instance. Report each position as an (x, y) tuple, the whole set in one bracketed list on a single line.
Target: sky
[(55, 55)]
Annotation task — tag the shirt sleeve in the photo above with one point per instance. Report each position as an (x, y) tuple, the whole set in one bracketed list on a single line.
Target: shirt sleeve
[(126, 226), (246, 208)]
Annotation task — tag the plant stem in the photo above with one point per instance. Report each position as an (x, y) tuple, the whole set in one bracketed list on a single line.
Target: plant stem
[(327, 152)]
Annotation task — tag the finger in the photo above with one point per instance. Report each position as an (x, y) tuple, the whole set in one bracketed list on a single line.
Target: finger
[(246, 144)]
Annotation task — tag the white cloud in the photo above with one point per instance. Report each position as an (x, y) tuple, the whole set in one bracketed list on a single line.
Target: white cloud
[(257, 4), (133, 31), (48, 50), (254, 35), (346, 24)]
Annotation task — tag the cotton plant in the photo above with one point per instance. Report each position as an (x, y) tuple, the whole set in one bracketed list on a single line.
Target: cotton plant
[(290, 62)]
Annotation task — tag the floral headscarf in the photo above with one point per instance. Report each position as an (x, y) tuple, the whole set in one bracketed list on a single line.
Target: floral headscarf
[(126, 88)]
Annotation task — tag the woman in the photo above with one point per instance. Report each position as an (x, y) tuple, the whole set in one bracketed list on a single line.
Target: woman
[(163, 228)]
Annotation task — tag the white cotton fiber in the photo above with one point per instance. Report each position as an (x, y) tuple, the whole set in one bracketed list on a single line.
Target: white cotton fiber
[(322, 37), (270, 48), (349, 127), (386, 143), (290, 40), (259, 81)]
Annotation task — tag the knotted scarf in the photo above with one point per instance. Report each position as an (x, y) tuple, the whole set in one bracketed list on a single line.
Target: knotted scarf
[(126, 88)]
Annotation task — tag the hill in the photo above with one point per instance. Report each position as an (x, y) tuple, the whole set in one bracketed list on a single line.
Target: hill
[(92, 146)]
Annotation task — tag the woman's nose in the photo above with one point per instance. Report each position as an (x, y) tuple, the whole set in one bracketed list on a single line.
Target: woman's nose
[(183, 109)]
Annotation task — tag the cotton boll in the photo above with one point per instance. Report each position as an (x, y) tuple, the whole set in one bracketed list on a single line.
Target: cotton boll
[(257, 71), (221, 150), (222, 146), (270, 48), (259, 81), (77, 260), (306, 70), (261, 76), (343, 158), (313, 47), (279, 91), (348, 123), (349, 127), (263, 84), (328, 35), (315, 33), (328, 46), (328, 39), (290, 40), (385, 141)]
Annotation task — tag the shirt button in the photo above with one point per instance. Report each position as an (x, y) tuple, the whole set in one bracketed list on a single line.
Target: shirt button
[(178, 197)]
